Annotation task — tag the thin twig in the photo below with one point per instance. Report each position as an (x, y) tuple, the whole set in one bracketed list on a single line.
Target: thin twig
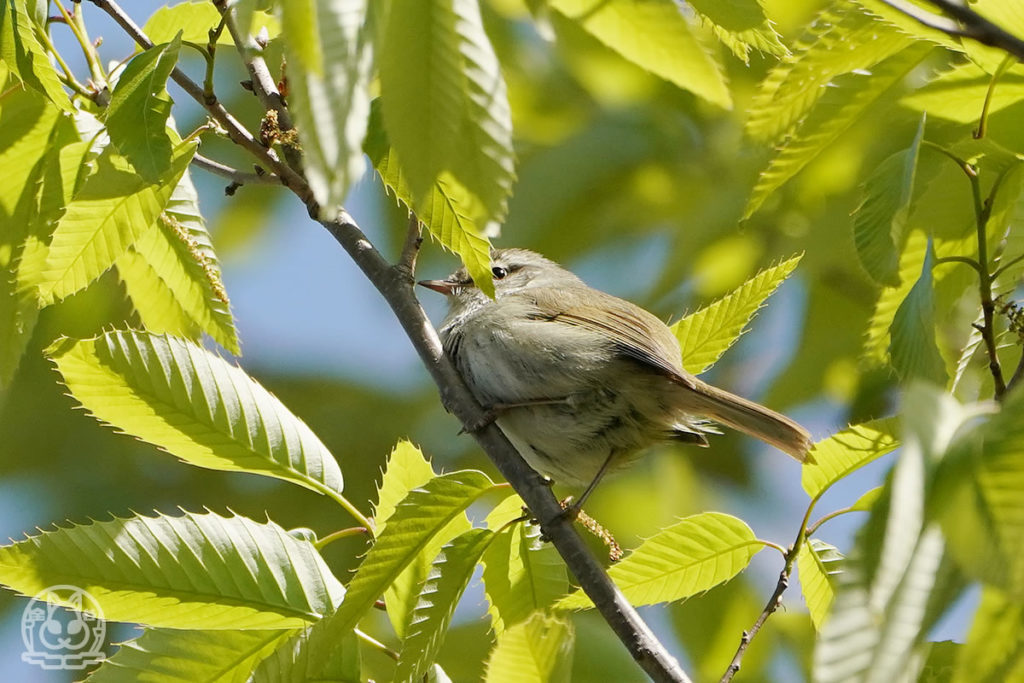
[(769, 609), (236, 131), (965, 23), (411, 248), (233, 174)]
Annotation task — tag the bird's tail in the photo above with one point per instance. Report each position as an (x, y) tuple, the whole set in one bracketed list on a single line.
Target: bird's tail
[(752, 419)]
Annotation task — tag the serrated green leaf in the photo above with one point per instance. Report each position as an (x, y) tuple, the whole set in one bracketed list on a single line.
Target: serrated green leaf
[(867, 500), (139, 109), (912, 348), (444, 102), (114, 208), (173, 276), (879, 222), (957, 94), (194, 571), (877, 339), (655, 36), (452, 569), (25, 57), (407, 470), (300, 31), (689, 557), (705, 335), (292, 661), (199, 407), (415, 522), (838, 108), (850, 449), (817, 563), (842, 38), (538, 650), (741, 25), (195, 18), (182, 656), (521, 574), (994, 651), (446, 211), (331, 103)]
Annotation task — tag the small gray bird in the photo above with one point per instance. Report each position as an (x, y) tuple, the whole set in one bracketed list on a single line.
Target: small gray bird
[(580, 381)]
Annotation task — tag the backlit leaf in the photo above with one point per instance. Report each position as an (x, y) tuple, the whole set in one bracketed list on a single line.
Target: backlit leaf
[(912, 348), (850, 449), (24, 55), (195, 19), (741, 25), (817, 563), (538, 650), (994, 651), (298, 659)]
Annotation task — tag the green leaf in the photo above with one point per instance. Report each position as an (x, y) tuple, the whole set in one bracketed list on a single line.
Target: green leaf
[(195, 19), (817, 563), (416, 521), (538, 650), (451, 572), (850, 449), (301, 33), (994, 651), (655, 36), (842, 39), (913, 349), (446, 211), (957, 93), (181, 656), (877, 339), (939, 664), (25, 57), (741, 25), (194, 571), (292, 661), (522, 574), (689, 557), (331, 102), (196, 405), (444, 102), (114, 208), (838, 108), (879, 222), (705, 335), (139, 109), (173, 276), (407, 470), (867, 500), (982, 499)]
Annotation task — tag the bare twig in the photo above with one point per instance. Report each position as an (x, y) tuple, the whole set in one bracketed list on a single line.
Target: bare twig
[(233, 174), (769, 609), (397, 290), (962, 22)]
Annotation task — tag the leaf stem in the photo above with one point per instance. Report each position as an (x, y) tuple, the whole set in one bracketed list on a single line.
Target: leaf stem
[(321, 543), (1008, 61), (830, 516), (76, 23), (960, 259), (347, 504), (772, 544), (376, 644)]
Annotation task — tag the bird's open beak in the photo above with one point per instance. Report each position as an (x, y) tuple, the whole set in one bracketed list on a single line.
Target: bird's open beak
[(443, 286)]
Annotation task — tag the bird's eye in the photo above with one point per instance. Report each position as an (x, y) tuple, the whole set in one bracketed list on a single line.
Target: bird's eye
[(498, 272)]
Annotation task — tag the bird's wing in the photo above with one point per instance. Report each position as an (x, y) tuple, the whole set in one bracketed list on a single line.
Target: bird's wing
[(632, 331)]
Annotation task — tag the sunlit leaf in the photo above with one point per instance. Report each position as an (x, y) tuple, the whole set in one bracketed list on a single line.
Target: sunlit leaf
[(444, 102), (180, 272), (538, 650), (957, 94), (139, 109), (24, 55), (880, 220), (689, 557), (817, 563), (113, 208), (452, 569), (407, 470), (741, 25), (994, 651), (850, 449), (182, 656), (842, 39), (331, 103), (415, 522), (877, 338), (839, 107), (195, 19), (298, 659), (300, 31), (867, 500), (521, 574), (913, 350), (654, 35), (446, 211), (705, 335), (193, 571), (199, 407)]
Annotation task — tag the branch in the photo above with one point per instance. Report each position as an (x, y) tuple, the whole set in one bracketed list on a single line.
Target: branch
[(769, 609), (965, 23), (396, 287), (233, 174)]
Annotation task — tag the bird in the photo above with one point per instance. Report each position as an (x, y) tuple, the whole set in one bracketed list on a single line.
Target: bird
[(580, 381)]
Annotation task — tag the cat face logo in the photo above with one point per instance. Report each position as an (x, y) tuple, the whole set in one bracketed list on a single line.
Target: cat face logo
[(63, 628)]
